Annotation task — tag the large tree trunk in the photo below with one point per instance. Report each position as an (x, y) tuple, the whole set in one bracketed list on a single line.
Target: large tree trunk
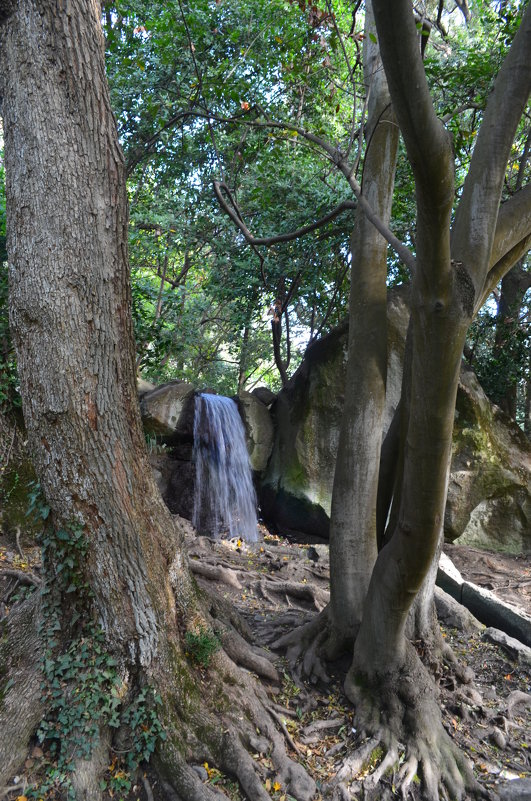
[(353, 541), (69, 311), (71, 322)]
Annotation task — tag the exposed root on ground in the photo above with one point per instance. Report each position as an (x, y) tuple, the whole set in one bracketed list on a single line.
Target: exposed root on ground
[(256, 731), (402, 739), (303, 646), (234, 722), (296, 591), (220, 713)]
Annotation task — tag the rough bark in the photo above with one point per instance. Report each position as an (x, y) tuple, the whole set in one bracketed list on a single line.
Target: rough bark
[(444, 291), (21, 706), (69, 310), (71, 323)]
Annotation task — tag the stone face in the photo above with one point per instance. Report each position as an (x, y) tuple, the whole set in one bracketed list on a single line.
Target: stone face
[(143, 386), (168, 411), (296, 490), (484, 605), (515, 790), (489, 495), (516, 650), (258, 429), (265, 395), (489, 498), (452, 613)]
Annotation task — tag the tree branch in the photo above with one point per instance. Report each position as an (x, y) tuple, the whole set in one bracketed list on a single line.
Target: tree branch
[(512, 226), (236, 217), (342, 164), (427, 142), (502, 267), (475, 222), (426, 139)]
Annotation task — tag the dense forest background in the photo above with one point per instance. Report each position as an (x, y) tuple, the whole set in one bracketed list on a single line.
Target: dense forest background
[(249, 94)]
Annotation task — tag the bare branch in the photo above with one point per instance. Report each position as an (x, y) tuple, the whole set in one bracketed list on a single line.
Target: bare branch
[(459, 110), (512, 226), (235, 215), (427, 142)]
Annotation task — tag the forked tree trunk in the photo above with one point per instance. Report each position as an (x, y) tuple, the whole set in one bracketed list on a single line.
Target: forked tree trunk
[(403, 563), (353, 541), (393, 693)]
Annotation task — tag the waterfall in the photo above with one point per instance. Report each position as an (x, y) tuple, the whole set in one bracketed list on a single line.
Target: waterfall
[(224, 499)]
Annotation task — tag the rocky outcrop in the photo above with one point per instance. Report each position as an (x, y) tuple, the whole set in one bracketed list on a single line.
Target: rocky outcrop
[(296, 490), (258, 428), (489, 500), (168, 411), (293, 438), (489, 495)]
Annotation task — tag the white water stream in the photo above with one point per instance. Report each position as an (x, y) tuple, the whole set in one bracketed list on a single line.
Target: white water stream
[(225, 500)]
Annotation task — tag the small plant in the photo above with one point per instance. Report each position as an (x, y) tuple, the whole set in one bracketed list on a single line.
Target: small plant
[(202, 645), (153, 445), (142, 717)]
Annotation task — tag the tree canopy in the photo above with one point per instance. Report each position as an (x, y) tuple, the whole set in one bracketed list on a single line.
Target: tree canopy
[(194, 88)]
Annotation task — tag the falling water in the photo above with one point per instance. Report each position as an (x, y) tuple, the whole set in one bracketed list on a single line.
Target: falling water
[(225, 500)]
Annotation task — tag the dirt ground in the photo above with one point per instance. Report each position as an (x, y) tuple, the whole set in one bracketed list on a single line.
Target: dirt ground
[(509, 577), (276, 585)]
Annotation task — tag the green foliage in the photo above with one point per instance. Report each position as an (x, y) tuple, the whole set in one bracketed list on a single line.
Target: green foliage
[(499, 353), (201, 298), (201, 645)]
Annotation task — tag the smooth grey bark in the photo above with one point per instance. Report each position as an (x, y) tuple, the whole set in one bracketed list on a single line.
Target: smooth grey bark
[(444, 291), (353, 541)]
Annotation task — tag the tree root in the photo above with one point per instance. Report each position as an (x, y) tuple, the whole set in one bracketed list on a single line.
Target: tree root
[(404, 741), (226, 738), (21, 705), (21, 576), (296, 590), (216, 573), (303, 648), (245, 655)]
